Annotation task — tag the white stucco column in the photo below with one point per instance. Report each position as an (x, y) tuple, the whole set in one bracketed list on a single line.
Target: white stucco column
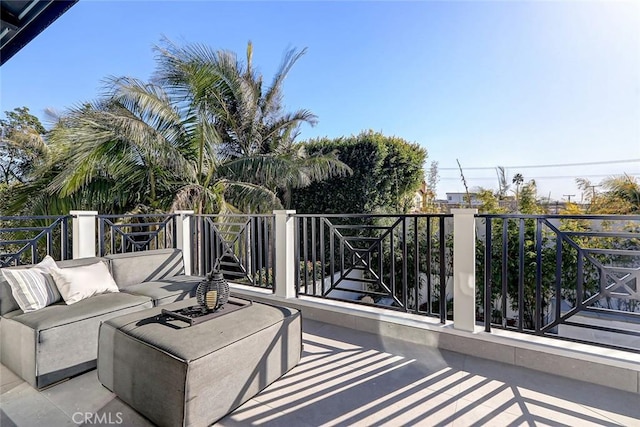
[(284, 257), (464, 269), (184, 237), (84, 233)]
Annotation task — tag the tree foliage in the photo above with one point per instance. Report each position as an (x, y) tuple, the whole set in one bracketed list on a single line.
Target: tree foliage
[(204, 134), (386, 173), (615, 195), (21, 145), (429, 190)]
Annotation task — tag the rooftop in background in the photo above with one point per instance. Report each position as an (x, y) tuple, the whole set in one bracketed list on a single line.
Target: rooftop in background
[(21, 21)]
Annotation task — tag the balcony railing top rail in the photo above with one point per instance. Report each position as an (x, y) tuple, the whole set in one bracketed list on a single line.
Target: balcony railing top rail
[(33, 217), (139, 215), (559, 216), (356, 215), (233, 215)]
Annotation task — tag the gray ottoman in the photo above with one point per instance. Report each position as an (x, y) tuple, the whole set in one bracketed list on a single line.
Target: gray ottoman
[(179, 375)]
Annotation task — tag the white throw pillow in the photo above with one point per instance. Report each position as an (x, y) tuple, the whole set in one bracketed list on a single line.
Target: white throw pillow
[(33, 288), (78, 283)]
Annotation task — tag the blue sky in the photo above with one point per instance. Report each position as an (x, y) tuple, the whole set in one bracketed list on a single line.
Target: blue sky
[(489, 83)]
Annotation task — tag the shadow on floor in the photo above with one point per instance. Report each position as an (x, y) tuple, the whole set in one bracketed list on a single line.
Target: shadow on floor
[(348, 377)]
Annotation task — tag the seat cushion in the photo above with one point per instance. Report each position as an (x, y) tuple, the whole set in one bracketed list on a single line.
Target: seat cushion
[(137, 267), (167, 290), (187, 343), (61, 314)]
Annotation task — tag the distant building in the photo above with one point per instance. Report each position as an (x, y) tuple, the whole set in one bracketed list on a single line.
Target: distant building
[(421, 198), (461, 199)]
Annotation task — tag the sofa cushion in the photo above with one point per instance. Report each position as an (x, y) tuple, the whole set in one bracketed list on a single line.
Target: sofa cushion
[(61, 314), (166, 291), (33, 288), (80, 261), (81, 282), (7, 302), (137, 267)]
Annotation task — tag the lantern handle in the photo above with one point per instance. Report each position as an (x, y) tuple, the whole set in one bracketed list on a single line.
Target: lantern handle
[(213, 273)]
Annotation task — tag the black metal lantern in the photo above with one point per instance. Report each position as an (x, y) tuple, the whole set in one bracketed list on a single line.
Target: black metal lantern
[(213, 292)]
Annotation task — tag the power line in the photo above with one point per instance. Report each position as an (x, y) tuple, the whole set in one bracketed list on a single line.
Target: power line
[(489, 178), (608, 162)]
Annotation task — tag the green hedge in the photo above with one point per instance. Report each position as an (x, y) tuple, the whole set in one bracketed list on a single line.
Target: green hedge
[(387, 171)]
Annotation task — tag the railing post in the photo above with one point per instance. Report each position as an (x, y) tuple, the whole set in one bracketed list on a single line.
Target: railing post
[(284, 278), (184, 241), (464, 269), (84, 233)]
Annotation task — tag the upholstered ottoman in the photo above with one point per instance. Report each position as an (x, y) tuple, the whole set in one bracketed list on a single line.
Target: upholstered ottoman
[(179, 375)]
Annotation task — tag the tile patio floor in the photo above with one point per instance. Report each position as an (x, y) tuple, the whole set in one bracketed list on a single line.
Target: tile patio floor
[(349, 378)]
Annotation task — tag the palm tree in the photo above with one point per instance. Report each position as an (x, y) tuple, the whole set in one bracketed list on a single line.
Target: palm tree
[(256, 138), (202, 135), (109, 155), (625, 192), (518, 179)]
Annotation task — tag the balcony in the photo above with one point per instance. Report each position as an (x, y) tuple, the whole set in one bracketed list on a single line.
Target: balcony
[(391, 353)]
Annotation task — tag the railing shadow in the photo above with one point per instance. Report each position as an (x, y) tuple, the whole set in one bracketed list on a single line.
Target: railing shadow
[(363, 383)]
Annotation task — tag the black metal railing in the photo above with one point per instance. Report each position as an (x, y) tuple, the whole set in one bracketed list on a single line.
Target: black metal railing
[(568, 277), (28, 239), (135, 232), (240, 246), (398, 262)]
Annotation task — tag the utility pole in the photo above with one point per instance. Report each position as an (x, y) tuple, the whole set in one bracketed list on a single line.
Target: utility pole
[(593, 189), (569, 196)]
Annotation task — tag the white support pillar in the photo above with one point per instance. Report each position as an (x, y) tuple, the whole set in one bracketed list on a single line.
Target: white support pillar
[(464, 269), (285, 263), (183, 237), (84, 233)]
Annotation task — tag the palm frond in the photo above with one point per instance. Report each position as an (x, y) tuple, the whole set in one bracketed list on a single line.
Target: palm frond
[(248, 197), (273, 97)]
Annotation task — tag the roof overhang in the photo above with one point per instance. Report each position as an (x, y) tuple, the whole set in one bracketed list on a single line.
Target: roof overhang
[(21, 21)]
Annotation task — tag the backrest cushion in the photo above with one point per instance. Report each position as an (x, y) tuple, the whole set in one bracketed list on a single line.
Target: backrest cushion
[(146, 266), (84, 281), (33, 287), (80, 261), (7, 301)]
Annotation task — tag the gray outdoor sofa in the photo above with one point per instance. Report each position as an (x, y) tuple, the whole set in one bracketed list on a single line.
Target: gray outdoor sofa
[(60, 341)]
